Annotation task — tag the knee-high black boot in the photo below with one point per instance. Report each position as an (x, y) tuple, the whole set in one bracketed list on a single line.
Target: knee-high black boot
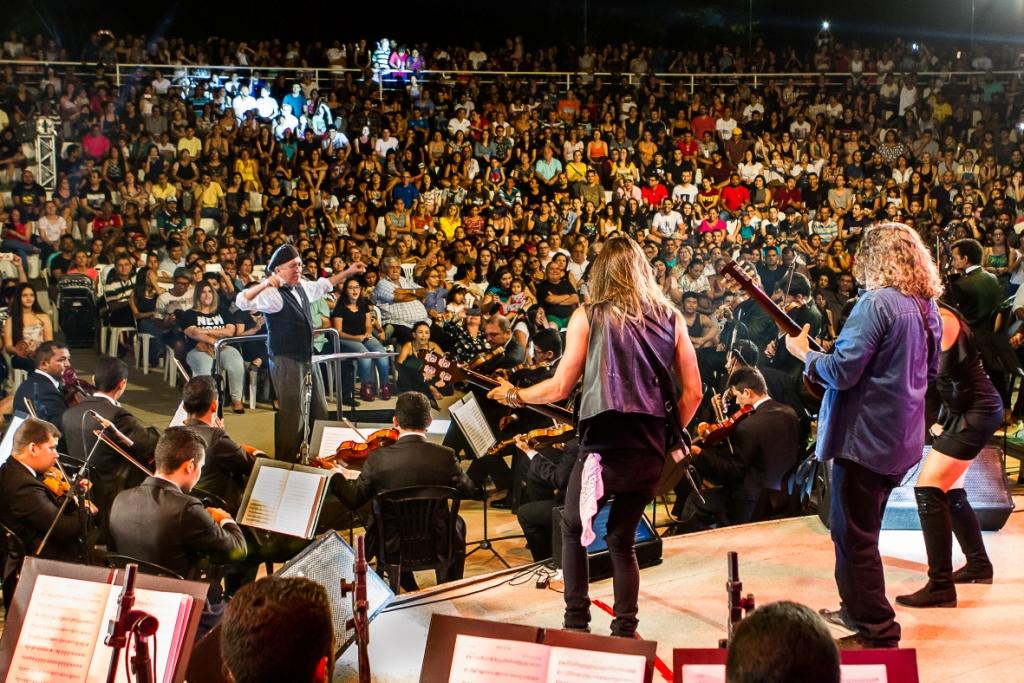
[(940, 591), (968, 534)]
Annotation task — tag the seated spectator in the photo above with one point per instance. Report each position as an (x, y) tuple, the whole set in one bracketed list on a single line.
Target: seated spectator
[(782, 642), (399, 299), (557, 295), (80, 265), (203, 324), (26, 328), (351, 318), (118, 291), (17, 236)]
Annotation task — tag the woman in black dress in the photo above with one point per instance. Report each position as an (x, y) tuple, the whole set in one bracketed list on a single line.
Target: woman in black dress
[(971, 412)]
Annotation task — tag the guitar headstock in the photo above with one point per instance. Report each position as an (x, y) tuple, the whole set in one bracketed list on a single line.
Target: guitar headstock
[(441, 370), (734, 274)]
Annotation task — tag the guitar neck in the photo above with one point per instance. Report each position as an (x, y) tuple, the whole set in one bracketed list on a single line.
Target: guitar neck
[(781, 318), (547, 409)]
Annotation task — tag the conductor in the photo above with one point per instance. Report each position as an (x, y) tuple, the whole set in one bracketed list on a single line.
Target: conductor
[(284, 298)]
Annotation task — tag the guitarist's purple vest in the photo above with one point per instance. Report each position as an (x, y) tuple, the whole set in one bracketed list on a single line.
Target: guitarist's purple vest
[(618, 375)]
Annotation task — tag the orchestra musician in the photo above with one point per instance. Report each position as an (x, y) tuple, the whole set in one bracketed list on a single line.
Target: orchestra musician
[(158, 521), (546, 479), (290, 342), (42, 387), (411, 461), (110, 471), (750, 467), (228, 465), (872, 415), (622, 344), (29, 499)]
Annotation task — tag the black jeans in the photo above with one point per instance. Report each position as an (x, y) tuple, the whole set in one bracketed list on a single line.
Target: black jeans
[(857, 505), (631, 478)]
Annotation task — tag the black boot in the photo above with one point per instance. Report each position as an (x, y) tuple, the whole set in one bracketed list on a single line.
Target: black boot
[(968, 534), (940, 591)]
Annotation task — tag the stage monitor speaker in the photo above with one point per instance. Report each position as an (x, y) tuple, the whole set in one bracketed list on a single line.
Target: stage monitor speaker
[(327, 561), (987, 490), (986, 487), (648, 543)]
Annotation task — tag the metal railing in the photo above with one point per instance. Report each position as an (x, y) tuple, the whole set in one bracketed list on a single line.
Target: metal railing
[(331, 333), (123, 74)]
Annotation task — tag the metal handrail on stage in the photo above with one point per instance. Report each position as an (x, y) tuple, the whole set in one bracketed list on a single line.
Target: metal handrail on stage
[(331, 333)]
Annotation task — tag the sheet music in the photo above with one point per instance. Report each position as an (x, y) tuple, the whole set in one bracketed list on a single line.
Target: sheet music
[(493, 660), (7, 445), (266, 494), (179, 416), (284, 500), (569, 665), (59, 633), (332, 436), (473, 424), (703, 673), (171, 611), (62, 635), (299, 503)]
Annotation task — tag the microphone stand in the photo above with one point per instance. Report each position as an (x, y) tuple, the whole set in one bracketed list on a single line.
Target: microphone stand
[(307, 400), (359, 622), (739, 606), (130, 621)]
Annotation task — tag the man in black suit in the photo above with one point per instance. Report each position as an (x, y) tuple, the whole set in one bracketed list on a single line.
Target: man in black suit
[(159, 522), (765, 446), (228, 464), (27, 506), (110, 471), (411, 461), (977, 295), (546, 479), (42, 387)]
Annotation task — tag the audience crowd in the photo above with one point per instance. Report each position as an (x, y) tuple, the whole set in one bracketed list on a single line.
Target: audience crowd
[(468, 196)]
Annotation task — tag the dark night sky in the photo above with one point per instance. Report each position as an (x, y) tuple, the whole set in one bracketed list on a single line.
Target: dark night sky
[(540, 22)]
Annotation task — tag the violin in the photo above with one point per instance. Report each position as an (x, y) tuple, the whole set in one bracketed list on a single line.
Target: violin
[(354, 453), (73, 388), (546, 436), (55, 480), (486, 357), (712, 433)]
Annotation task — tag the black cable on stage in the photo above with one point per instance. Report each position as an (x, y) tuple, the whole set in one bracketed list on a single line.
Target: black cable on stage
[(521, 577)]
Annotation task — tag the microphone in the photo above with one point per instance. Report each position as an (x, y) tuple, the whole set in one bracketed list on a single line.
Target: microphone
[(118, 627), (107, 424)]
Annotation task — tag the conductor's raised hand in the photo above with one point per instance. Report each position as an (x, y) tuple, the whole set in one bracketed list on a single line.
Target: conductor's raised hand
[(357, 268), (274, 280), (799, 345)]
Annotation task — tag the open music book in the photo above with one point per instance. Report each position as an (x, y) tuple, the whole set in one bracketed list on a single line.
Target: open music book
[(62, 634), (495, 660), (467, 414), (284, 497)]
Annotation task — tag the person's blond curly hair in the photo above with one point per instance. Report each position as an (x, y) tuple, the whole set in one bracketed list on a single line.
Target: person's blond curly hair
[(893, 255)]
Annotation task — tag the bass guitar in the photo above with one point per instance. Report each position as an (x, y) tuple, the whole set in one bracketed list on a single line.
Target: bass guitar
[(786, 324), (442, 370)]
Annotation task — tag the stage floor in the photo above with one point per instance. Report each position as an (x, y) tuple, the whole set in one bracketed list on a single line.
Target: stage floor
[(683, 601)]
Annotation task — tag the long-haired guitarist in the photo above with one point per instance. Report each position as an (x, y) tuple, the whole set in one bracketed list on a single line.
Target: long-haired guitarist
[(623, 344), (871, 422)]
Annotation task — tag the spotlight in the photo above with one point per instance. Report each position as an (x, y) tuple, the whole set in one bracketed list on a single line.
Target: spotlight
[(825, 25)]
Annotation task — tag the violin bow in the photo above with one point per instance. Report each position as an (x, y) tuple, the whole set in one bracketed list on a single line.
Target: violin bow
[(345, 421)]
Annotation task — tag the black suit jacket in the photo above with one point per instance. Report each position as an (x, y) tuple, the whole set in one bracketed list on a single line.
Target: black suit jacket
[(28, 508), (227, 467), (110, 473), (49, 403), (158, 523), (412, 461), (766, 444), (977, 295)]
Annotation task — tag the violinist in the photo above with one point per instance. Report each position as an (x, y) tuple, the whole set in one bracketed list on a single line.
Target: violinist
[(546, 479), (28, 504), (750, 468), (228, 464), (411, 461), (111, 472), (42, 387), (799, 305)]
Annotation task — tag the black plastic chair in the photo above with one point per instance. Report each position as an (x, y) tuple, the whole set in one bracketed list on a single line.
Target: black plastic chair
[(12, 553), (423, 520), (117, 561)]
